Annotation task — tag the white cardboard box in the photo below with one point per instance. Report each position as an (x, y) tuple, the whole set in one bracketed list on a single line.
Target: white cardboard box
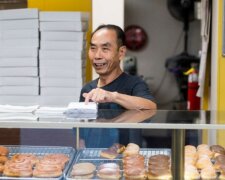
[(19, 100), (64, 54), (63, 16), (19, 24), (18, 62), (26, 13), (63, 36), (61, 82), (18, 71), (8, 43), (62, 63), (63, 45), (19, 81), (19, 52), (62, 72), (19, 90), (64, 26), (19, 34), (60, 91)]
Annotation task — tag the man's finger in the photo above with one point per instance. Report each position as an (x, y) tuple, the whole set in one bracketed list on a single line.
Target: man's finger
[(87, 97)]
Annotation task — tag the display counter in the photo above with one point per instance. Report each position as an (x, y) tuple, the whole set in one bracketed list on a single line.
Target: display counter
[(177, 121)]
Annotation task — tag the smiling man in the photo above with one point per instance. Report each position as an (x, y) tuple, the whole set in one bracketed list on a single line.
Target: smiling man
[(114, 89)]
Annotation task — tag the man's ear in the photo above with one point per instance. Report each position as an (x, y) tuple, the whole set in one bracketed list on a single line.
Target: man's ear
[(122, 52)]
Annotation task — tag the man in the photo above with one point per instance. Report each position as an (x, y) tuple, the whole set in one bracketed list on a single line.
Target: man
[(114, 89)]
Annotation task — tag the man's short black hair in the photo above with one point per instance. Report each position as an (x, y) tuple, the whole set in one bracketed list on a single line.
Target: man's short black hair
[(117, 29)]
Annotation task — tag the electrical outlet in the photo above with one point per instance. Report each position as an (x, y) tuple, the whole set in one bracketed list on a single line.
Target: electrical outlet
[(130, 65)]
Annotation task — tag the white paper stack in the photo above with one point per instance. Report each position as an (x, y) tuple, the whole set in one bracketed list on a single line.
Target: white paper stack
[(62, 56), (19, 44), (82, 110)]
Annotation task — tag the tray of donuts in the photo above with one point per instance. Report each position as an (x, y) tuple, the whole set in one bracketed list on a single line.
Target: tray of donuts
[(204, 162), (35, 162), (120, 162)]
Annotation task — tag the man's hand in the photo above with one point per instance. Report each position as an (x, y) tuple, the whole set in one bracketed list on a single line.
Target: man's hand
[(99, 95)]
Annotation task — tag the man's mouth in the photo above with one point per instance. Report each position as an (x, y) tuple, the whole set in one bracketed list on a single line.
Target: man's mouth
[(99, 65)]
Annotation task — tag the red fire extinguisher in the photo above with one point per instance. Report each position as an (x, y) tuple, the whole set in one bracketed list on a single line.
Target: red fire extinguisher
[(193, 101)]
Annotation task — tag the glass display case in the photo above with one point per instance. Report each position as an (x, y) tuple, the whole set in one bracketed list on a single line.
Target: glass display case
[(129, 126)]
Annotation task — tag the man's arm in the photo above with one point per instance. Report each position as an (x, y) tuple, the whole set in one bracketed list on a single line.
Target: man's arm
[(129, 102)]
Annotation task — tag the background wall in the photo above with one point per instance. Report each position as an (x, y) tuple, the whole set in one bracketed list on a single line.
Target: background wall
[(165, 40)]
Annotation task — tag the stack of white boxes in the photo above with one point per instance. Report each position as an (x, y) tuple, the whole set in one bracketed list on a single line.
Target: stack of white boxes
[(19, 42), (62, 56)]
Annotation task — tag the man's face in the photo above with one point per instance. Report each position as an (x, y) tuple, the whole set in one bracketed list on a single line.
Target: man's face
[(104, 53)]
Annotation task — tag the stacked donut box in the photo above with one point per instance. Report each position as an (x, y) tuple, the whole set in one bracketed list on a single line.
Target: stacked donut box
[(19, 43), (62, 56)]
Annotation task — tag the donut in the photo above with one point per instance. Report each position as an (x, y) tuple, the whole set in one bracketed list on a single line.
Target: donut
[(25, 157), (18, 169), (109, 153), (205, 152), (164, 176), (202, 147), (217, 150), (109, 171), (203, 162), (118, 147), (131, 149), (4, 151), (83, 170), (57, 157), (47, 172), (208, 173), (191, 172), (190, 149)]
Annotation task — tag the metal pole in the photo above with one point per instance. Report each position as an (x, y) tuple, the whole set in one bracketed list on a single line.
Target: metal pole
[(177, 163)]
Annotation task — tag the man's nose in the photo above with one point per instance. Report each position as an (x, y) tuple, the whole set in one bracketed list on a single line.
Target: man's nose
[(98, 53)]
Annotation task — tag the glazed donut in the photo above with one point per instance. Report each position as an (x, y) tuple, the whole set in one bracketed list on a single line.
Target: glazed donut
[(208, 173), (47, 171), (25, 157), (191, 172), (4, 151), (109, 153), (202, 147), (18, 169), (205, 152), (159, 174), (203, 162), (60, 157), (190, 149), (109, 171)]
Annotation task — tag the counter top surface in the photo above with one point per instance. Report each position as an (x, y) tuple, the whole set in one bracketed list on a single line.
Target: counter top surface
[(146, 119)]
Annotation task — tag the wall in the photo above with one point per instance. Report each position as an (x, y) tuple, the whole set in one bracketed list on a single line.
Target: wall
[(165, 40)]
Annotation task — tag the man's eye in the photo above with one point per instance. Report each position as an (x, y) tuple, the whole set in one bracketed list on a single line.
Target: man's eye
[(92, 48), (105, 49)]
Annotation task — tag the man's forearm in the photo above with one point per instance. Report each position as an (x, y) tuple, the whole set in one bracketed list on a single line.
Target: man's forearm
[(132, 102)]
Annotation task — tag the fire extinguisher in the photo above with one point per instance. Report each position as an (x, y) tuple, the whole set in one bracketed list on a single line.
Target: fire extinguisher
[(193, 101)]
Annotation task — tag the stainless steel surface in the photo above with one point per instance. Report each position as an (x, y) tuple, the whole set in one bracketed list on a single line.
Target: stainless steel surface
[(92, 155), (41, 151)]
